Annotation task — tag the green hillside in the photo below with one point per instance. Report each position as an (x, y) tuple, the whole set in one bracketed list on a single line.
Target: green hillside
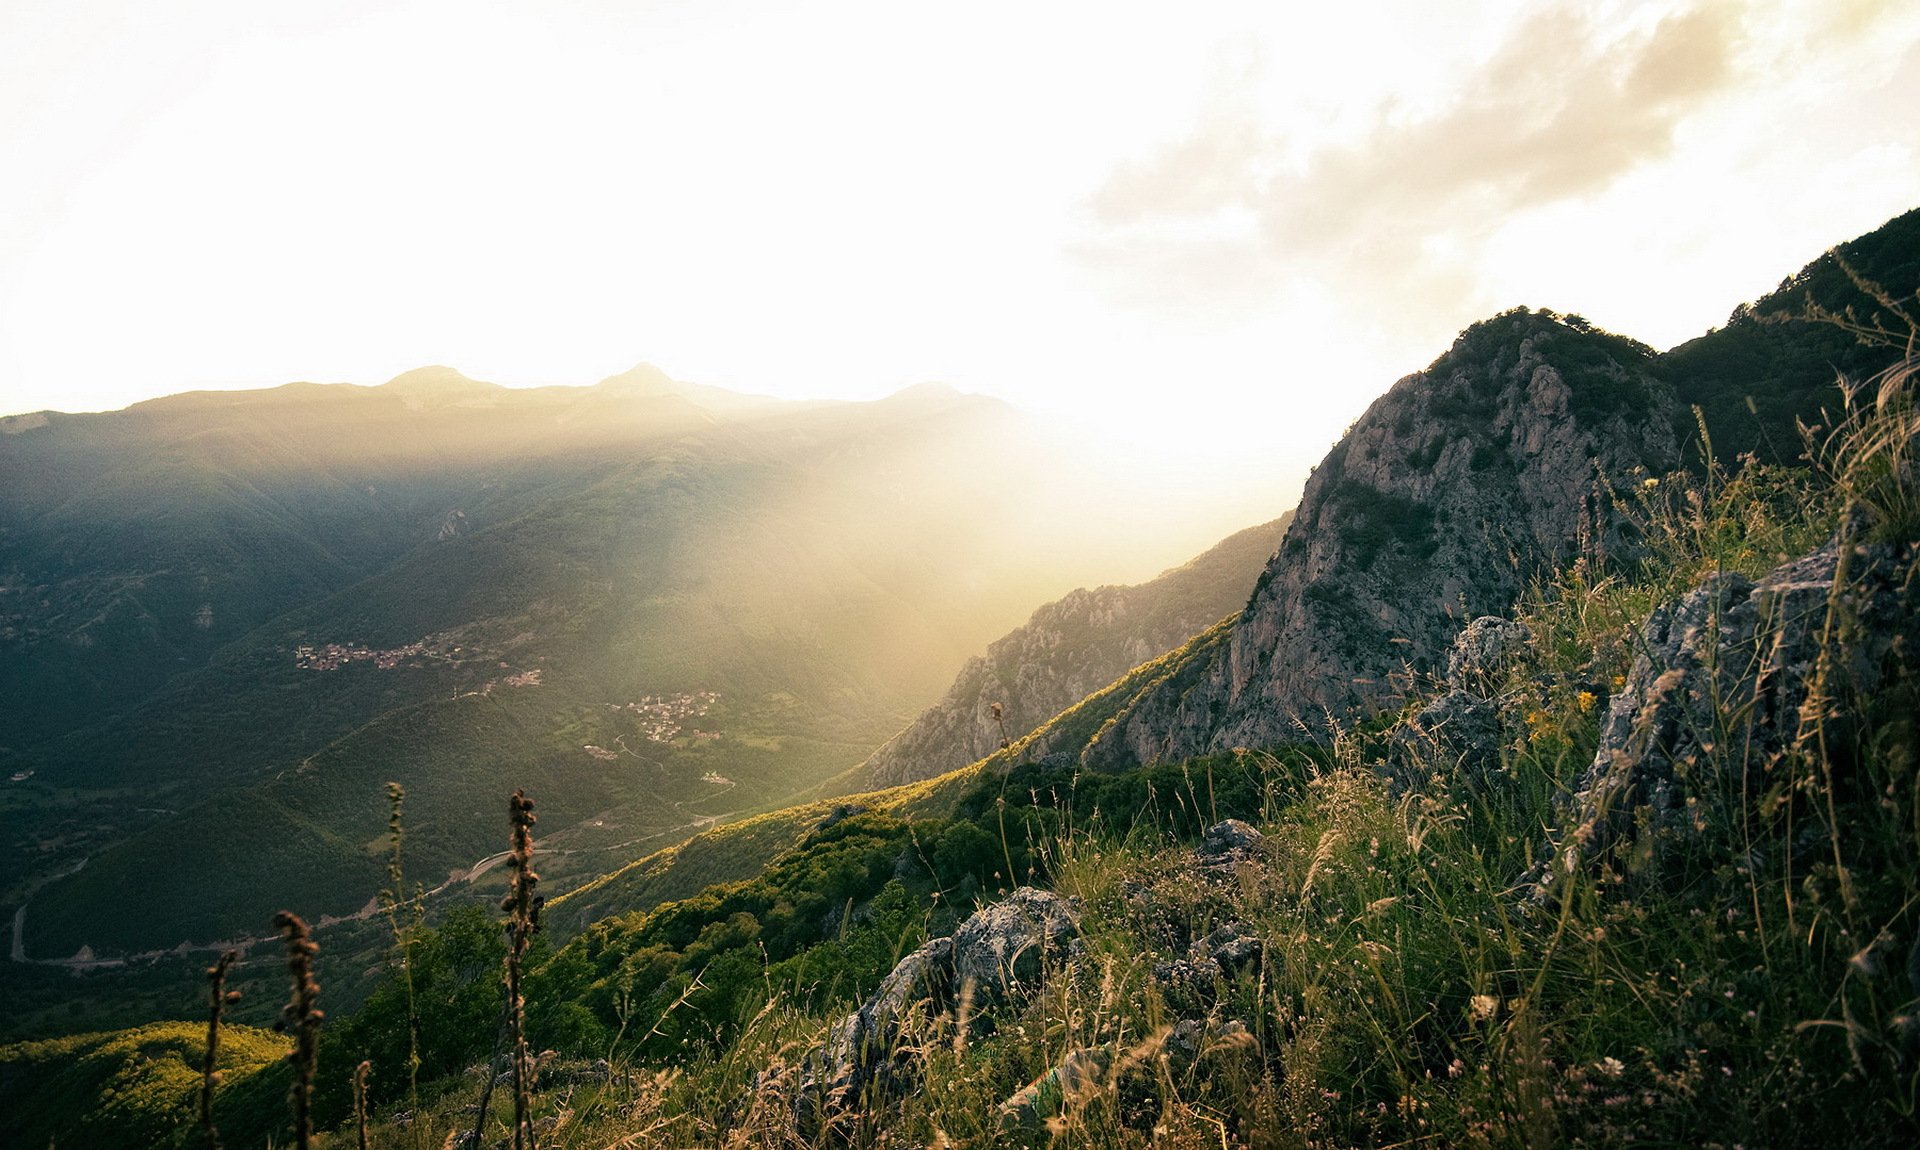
[(137, 1087), (668, 613)]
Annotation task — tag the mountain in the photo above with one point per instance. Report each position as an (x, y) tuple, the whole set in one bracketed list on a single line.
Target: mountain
[(231, 618), (1067, 650), (1466, 481), (1653, 881)]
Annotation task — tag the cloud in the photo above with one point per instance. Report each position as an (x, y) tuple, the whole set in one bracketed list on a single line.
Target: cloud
[(1562, 109)]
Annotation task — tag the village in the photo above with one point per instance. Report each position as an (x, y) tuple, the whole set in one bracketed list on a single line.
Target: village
[(333, 656), (661, 715)]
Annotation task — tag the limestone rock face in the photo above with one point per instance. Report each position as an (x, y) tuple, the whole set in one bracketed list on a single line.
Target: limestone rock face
[(998, 953), (1442, 500), (1459, 730), (1004, 948), (857, 1041), (1730, 676), (1069, 649), (1477, 661)]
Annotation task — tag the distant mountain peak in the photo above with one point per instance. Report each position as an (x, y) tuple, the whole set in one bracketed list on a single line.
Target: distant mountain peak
[(434, 377), (436, 381), (642, 379), (438, 384)]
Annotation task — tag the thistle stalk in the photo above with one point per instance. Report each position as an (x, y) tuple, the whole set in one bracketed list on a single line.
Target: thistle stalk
[(522, 907), (360, 1100), (300, 1017), (405, 911), (218, 996)]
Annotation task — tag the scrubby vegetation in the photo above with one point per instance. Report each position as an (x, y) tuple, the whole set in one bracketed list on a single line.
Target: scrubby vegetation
[(1417, 974), (1416, 941)]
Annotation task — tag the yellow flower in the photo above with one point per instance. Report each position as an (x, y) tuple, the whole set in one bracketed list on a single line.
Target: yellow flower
[(1585, 700)]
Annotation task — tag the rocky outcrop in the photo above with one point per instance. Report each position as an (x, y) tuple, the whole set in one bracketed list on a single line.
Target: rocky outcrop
[(1481, 653), (1000, 957), (1066, 651), (1444, 498), (1732, 679), (1458, 731), (998, 954), (1227, 844), (1001, 951)]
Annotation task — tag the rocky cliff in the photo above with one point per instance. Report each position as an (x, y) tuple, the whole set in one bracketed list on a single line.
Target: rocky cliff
[(1438, 505), (1464, 480), (1069, 649)]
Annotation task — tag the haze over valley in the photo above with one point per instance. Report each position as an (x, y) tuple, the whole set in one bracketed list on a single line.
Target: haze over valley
[(1236, 576)]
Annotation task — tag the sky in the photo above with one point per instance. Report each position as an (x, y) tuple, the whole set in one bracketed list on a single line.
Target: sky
[(1208, 233)]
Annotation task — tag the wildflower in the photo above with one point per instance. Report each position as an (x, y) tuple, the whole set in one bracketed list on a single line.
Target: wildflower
[(1611, 1067)]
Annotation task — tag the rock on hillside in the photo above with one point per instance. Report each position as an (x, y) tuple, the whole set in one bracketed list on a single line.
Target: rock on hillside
[(1437, 506), (1067, 650), (1733, 681)]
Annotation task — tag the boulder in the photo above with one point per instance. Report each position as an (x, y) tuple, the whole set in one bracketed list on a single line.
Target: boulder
[(1457, 731), (1478, 660), (1006, 948), (1230, 946), (1734, 676), (1227, 844), (998, 953)]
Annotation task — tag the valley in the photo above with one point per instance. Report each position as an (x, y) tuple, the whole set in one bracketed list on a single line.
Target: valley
[(715, 655)]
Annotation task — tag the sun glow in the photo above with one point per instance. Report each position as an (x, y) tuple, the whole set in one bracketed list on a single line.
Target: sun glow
[(1228, 228)]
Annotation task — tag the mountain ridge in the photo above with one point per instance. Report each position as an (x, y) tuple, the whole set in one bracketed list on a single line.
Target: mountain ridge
[(1066, 650)]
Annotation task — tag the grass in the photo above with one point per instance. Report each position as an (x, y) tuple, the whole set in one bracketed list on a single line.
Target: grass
[(1409, 987), (1408, 978)]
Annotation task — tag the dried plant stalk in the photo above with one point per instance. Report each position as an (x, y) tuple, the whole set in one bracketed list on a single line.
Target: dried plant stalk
[(301, 1017), (217, 998), (360, 1100), (523, 919)]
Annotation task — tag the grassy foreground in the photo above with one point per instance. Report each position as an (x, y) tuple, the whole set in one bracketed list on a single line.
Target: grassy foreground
[(1412, 978)]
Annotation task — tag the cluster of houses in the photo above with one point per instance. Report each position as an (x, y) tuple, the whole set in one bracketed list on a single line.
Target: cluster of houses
[(517, 679), (661, 715), (333, 656)]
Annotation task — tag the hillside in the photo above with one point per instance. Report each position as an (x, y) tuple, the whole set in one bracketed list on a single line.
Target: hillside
[(240, 614), (1608, 839), (1068, 649), (1170, 953), (1466, 481)]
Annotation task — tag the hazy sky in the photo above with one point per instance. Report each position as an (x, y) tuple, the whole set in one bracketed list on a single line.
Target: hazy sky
[(1227, 226)]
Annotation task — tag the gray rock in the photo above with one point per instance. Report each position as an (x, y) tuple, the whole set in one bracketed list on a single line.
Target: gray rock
[(1457, 732), (858, 1043), (1007, 947), (1481, 653), (1724, 681), (1228, 842), (998, 952), (1231, 946), (1494, 450)]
